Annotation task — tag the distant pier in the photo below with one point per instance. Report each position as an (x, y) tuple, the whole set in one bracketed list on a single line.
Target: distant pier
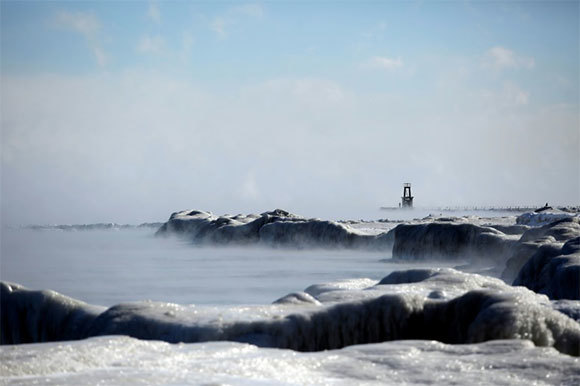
[(525, 208)]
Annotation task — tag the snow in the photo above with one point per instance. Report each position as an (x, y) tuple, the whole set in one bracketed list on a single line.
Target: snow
[(544, 218), (124, 360)]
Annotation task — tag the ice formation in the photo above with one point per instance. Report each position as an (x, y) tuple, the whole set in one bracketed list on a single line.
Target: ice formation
[(123, 360), (547, 260), (544, 258), (544, 217), (553, 271), (494, 311), (444, 240), (275, 228)]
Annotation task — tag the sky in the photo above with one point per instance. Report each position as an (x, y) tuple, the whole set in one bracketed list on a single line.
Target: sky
[(126, 111)]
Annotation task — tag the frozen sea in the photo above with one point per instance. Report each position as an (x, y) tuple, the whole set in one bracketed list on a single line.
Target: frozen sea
[(110, 267)]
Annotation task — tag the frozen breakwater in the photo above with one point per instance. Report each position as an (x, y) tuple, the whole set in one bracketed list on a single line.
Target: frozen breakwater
[(485, 309), (275, 228)]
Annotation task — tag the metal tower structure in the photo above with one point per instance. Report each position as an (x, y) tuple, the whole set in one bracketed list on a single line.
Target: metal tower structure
[(407, 199)]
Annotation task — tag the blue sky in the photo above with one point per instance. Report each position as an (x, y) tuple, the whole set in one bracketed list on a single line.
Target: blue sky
[(112, 107)]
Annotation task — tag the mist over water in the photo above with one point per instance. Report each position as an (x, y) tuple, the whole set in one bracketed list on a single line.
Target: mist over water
[(111, 267)]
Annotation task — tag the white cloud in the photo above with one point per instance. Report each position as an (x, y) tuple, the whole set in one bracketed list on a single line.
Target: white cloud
[(235, 15), (500, 58), (187, 41), (151, 44), (376, 31), (154, 13), (515, 95), (86, 24), (100, 55), (508, 97), (253, 10), (218, 25), (384, 63)]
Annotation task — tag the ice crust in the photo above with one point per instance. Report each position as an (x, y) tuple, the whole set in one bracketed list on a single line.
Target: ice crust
[(275, 228), (123, 360), (389, 311)]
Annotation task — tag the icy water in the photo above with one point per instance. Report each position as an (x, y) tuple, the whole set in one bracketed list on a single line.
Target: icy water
[(109, 267)]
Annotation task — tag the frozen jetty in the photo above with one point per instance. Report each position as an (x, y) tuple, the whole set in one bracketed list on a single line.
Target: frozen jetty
[(275, 228), (393, 309)]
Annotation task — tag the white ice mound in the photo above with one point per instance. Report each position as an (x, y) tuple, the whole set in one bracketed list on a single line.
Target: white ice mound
[(543, 218), (433, 283), (42, 316), (275, 228), (476, 316)]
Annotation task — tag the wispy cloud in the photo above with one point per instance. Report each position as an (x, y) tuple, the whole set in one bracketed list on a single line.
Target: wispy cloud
[(86, 24), (233, 16), (384, 63), (187, 41), (151, 44), (253, 10), (500, 58), (509, 96), (218, 25), (376, 30), (153, 12)]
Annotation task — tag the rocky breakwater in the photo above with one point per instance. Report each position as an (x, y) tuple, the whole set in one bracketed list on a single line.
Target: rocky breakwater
[(277, 228)]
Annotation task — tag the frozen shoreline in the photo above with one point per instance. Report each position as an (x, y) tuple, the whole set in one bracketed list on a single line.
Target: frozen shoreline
[(457, 308)]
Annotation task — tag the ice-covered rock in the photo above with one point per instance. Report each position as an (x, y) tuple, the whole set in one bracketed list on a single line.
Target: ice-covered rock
[(522, 253), (275, 228), (553, 271), (561, 230), (450, 240), (42, 316), (546, 259), (298, 298), (568, 307), (493, 311)]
